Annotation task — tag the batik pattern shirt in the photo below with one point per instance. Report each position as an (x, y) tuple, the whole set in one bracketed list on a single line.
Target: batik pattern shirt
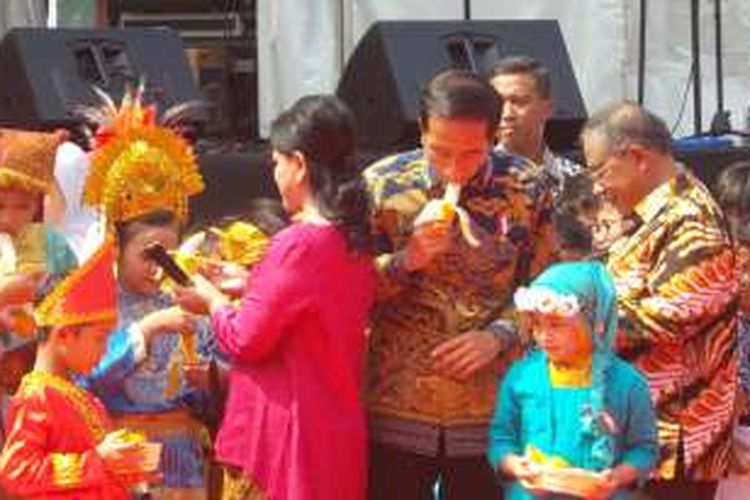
[(677, 298), (465, 289)]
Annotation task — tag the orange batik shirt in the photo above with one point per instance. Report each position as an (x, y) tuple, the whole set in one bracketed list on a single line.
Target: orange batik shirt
[(53, 429), (677, 299)]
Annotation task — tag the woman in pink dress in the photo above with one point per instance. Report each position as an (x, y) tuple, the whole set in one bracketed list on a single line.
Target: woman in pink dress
[(294, 426)]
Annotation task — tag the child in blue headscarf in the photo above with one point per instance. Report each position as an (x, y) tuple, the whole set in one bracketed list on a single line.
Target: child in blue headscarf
[(572, 402)]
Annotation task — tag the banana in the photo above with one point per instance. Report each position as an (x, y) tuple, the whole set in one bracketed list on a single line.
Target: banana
[(446, 209)]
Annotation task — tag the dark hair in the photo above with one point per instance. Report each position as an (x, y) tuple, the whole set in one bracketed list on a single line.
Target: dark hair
[(267, 214), (732, 189), (628, 123), (577, 195), (322, 128), (572, 234), (460, 94), (126, 230), (524, 65)]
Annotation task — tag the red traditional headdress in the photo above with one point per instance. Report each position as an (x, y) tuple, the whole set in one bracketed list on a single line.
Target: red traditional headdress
[(88, 295)]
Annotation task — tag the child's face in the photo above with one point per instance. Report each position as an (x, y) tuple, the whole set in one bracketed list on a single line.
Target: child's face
[(565, 339), (17, 209), (136, 272), (81, 347)]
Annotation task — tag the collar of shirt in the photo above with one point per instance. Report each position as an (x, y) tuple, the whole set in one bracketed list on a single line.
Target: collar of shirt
[(652, 203)]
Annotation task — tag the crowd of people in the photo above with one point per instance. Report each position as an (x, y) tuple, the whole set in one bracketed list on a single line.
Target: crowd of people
[(477, 318)]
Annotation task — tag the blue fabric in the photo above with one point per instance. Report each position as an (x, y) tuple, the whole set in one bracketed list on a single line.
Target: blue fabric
[(60, 257), (126, 388), (526, 409), (591, 283), (129, 388), (743, 329)]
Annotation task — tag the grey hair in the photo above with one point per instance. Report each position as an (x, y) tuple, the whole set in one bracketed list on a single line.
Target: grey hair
[(627, 123)]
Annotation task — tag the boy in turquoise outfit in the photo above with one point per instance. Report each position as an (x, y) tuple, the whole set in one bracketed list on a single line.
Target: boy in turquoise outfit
[(572, 404)]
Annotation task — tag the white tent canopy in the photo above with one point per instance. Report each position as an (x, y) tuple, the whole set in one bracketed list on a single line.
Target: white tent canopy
[(304, 44)]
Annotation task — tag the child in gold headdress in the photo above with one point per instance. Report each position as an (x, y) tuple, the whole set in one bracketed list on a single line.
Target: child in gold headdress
[(141, 176), (29, 251), (61, 442)]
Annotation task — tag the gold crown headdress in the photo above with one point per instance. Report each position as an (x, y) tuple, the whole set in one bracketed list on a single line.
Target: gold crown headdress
[(139, 165)]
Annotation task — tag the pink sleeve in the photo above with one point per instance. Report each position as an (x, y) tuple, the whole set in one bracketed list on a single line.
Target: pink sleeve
[(276, 293)]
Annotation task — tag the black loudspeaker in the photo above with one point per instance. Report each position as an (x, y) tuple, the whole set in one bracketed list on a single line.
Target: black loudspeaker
[(47, 73), (394, 59)]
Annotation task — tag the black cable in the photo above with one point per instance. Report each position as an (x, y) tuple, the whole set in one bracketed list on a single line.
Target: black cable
[(688, 84)]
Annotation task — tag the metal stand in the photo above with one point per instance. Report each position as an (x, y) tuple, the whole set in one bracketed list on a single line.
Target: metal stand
[(642, 53), (696, 56)]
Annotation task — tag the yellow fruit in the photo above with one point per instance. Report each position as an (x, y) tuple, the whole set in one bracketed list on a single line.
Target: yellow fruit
[(447, 211)]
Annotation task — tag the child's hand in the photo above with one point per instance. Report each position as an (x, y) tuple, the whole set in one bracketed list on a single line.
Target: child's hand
[(20, 288), (606, 488), (522, 469), (127, 459), (170, 320)]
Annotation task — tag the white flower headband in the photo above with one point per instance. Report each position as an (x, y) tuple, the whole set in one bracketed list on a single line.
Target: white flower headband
[(545, 301)]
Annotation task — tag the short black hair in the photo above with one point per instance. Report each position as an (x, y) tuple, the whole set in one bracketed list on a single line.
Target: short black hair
[(732, 188), (577, 195), (457, 93), (571, 233), (516, 65)]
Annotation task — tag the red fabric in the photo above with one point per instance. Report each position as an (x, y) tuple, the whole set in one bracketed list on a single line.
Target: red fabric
[(294, 421), (43, 424), (88, 294)]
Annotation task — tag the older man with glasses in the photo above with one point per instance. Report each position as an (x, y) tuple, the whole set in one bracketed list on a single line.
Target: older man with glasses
[(677, 295)]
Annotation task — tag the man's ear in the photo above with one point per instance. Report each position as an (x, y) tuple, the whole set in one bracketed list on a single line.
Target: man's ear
[(549, 108), (639, 154)]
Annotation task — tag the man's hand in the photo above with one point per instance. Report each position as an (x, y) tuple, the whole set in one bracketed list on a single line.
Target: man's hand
[(462, 356), (427, 242)]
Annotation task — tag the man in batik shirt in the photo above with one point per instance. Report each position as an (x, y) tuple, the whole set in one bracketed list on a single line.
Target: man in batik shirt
[(677, 295), (448, 274)]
